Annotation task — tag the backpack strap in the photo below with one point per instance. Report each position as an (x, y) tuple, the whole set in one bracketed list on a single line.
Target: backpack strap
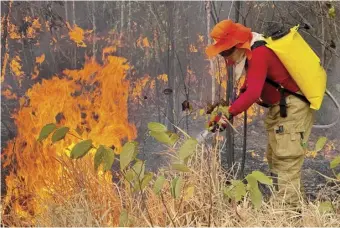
[(281, 89), (258, 44)]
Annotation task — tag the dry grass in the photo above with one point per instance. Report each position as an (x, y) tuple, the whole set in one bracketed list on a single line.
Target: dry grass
[(90, 201)]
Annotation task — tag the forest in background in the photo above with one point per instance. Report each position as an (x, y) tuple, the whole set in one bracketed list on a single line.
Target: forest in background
[(59, 52)]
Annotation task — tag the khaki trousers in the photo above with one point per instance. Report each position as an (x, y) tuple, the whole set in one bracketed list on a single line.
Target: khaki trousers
[(287, 139)]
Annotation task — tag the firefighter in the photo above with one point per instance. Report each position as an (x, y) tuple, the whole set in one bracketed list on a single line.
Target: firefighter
[(289, 119)]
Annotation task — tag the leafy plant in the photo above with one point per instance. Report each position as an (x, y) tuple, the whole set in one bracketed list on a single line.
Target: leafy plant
[(159, 132), (238, 189)]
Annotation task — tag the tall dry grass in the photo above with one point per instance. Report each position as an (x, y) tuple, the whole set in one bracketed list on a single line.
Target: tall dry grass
[(87, 200)]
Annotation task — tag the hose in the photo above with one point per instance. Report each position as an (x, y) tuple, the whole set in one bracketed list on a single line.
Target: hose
[(336, 121)]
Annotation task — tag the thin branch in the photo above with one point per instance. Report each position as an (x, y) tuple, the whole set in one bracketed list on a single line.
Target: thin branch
[(167, 210)]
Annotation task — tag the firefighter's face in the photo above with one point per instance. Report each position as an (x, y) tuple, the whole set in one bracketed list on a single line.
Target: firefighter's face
[(235, 56)]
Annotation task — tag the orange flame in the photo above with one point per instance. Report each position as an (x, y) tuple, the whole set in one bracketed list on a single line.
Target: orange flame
[(143, 42), (92, 100), (146, 42), (108, 50), (77, 34), (192, 48), (40, 59), (146, 83), (3, 71), (13, 31), (140, 84), (34, 27), (16, 68), (8, 94), (163, 77)]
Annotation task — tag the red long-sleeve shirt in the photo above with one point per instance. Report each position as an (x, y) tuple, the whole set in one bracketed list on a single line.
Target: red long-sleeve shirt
[(264, 63)]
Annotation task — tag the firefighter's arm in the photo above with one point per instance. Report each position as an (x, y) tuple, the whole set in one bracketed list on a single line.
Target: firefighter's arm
[(256, 76)]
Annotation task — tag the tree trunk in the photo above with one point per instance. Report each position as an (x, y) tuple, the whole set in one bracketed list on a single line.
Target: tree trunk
[(74, 22), (94, 50), (212, 70), (230, 96), (171, 78)]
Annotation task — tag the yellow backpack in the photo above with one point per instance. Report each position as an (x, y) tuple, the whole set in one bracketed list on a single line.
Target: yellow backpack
[(302, 64)]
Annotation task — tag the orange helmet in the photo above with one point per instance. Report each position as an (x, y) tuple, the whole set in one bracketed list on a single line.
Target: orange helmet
[(227, 35)]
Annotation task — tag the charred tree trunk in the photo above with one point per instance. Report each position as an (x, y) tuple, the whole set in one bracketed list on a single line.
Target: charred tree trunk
[(171, 78), (212, 71), (230, 97)]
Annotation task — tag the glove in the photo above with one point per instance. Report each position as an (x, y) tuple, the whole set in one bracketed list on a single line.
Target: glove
[(219, 118)]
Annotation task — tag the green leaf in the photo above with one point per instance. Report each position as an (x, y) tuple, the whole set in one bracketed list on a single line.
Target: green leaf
[(46, 131), (228, 191), (236, 190), (189, 192), (338, 176), (254, 191), (262, 178), (59, 134), (130, 175), (138, 168), (161, 137), (331, 12), (335, 162), (158, 184), (173, 186), (99, 156), (320, 143), (156, 127), (180, 167), (123, 218), (127, 154), (176, 187), (187, 149), (239, 189), (173, 137), (81, 149), (109, 157), (325, 207), (202, 111), (136, 149), (146, 180)]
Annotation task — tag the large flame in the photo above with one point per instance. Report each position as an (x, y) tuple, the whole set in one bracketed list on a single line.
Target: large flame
[(92, 102)]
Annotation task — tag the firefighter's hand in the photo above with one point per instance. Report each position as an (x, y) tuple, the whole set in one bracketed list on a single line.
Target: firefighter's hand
[(219, 119)]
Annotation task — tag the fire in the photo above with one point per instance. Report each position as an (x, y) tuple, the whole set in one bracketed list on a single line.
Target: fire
[(108, 50), (13, 32), (192, 48), (33, 28), (38, 61), (139, 85), (163, 77), (15, 66), (92, 102), (77, 34), (8, 94), (143, 42), (146, 42), (146, 83), (3, 71)]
